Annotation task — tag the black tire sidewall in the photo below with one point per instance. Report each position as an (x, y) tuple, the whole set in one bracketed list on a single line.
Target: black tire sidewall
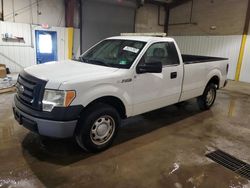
[(202, 99), (87, 120)]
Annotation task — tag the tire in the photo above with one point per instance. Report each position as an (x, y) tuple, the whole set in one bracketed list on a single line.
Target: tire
[(97, 127), (206, 100), (180, 104)]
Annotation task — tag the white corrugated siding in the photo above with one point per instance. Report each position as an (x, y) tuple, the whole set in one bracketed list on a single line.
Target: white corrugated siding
[(220, 46), (245, 68), (17, 55)]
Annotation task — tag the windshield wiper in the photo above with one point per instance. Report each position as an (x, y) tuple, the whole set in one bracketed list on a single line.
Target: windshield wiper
[(98, 62), (93, 61)]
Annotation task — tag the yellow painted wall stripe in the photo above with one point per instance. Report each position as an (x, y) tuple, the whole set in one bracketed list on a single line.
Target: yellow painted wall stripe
[(240, 58), (70, 31)]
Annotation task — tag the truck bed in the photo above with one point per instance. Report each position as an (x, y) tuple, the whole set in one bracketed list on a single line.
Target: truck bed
[(189, 59)]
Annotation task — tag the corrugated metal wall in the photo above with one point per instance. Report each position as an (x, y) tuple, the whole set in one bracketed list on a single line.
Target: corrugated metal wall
[(245, 69), (17, 55), (220, 46), (106, 18)]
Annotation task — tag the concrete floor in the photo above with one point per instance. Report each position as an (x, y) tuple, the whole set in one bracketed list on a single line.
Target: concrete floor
[(164, 148)]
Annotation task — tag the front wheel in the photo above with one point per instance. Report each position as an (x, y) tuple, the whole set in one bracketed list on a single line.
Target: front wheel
[(206, 100), (97, 127)]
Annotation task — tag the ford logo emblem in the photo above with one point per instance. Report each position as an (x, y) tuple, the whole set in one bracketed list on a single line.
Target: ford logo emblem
[(20, 88)]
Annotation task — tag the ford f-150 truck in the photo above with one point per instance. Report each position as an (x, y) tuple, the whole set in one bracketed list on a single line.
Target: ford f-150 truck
[(117, 78)]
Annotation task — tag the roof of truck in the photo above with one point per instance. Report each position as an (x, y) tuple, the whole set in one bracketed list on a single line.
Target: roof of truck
[(143, 38)]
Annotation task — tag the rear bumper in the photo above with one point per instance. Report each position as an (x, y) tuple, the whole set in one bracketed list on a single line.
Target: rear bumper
[(43, 126)]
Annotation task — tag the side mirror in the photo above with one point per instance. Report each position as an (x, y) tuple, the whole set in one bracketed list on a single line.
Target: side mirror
[(151, 67)]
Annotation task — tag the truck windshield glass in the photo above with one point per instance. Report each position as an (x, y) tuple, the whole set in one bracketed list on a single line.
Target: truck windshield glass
[(113, 53)]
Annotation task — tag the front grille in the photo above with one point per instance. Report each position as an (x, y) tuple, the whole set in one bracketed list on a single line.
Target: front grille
[(30, 90), (25, 94)]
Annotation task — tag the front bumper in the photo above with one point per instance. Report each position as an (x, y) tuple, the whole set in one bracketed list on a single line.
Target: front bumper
[(43, 126)]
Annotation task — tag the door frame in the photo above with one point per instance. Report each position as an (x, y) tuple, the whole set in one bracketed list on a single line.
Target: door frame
[(162, 101), (36, 42)]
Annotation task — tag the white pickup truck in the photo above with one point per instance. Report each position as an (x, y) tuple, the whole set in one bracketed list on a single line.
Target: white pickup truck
[(117, 78)]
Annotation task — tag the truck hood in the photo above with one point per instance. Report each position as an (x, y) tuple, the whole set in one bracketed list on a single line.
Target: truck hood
[(59, 72)]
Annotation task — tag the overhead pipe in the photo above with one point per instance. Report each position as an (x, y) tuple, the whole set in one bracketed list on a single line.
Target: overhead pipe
[(13, 10), (2, 10), (81, 20), (167, 14), (190, 17), (31, 12), (20, 10), (159, 16), (37, 10), (168, 7), (178, 3), (69, 12)]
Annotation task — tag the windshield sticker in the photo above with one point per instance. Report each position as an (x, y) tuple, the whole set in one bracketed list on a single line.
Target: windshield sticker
[(131, 49), (123, 62)]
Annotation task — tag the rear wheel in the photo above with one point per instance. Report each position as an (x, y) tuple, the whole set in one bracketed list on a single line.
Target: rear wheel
[(207, 99), (97, 127)]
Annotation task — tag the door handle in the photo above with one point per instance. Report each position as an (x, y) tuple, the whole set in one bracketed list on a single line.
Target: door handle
[(173, 75)]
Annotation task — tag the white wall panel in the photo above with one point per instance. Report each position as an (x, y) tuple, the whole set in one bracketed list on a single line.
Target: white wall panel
[(245, 68), (220, 46), (17, 55), (51, 12), (18, 30), (76, 43)]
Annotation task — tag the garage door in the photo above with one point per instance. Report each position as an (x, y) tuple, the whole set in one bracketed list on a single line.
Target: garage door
[(105, 18)]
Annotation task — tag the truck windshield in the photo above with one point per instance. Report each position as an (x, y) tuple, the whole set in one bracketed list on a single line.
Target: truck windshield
[(113, 53)]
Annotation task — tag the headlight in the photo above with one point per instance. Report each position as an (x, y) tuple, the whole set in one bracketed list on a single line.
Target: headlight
[(52, 98)]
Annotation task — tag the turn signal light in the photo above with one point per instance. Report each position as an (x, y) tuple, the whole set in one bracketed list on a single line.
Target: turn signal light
[(70, 96)]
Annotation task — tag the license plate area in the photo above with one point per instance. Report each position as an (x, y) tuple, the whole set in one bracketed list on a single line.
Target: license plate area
[(18, 116), (26, 122)]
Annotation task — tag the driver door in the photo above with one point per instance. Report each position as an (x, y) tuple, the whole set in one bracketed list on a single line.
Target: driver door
[(155, 90)]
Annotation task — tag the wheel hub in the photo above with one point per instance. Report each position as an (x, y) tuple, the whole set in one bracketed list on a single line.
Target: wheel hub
[(102, 130)]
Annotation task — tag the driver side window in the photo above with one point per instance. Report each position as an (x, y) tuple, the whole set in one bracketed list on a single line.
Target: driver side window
[(164, 52)]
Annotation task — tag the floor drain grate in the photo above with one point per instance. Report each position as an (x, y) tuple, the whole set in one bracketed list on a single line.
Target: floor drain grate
[(230, 162)]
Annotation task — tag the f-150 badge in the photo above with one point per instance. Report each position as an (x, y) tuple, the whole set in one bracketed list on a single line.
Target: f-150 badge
[(125, 80)]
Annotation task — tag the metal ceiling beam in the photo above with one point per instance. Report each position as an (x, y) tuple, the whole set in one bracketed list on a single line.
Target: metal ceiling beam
[(170, 3), (177, 3), (155, 2)]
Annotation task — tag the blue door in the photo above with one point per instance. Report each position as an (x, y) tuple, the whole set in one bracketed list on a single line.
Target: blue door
[(46, 46)]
